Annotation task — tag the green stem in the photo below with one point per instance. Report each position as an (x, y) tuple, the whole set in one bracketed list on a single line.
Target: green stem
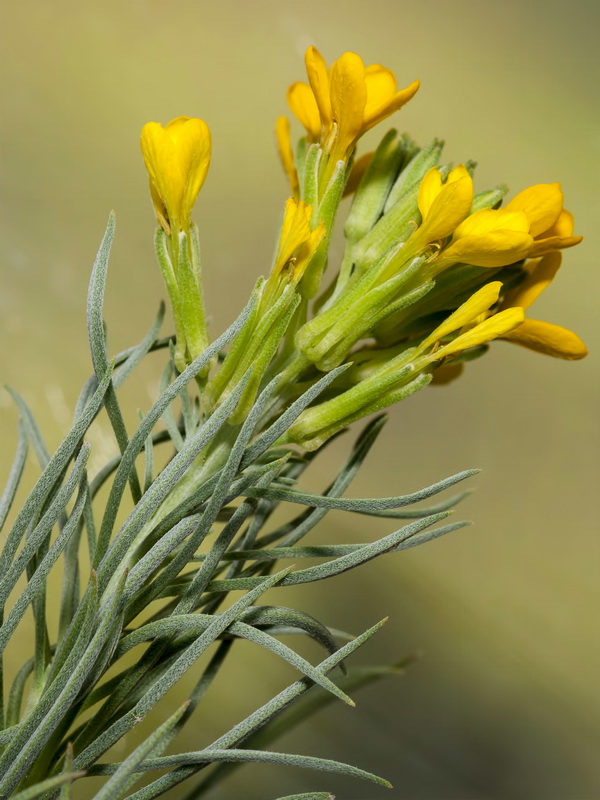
[(166, 254)]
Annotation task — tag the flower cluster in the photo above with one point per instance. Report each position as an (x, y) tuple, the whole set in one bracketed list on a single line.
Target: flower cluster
[(339, 105), (431, 274)]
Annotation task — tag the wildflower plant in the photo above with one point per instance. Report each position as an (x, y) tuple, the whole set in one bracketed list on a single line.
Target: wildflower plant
[(161, 566)]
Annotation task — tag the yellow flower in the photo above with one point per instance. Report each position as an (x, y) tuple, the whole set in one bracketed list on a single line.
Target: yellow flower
[(177, 158), (297, 243), (489, 238), (337, 106), (284, 146), (543, 337), (550, 224), (479, 325), (479, 302), (443, 206), (497, 325)]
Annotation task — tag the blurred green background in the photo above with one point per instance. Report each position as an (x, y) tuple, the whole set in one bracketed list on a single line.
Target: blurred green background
[(504, 704)]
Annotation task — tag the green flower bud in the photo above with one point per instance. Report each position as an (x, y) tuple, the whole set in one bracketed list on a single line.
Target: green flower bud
[(380, 390), (375, 186), (324, 213), (422, 161), (489, 199)]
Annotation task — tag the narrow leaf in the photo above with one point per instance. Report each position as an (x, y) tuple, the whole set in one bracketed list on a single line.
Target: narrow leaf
[(14, 476), (360, 504), (45, 786), (210, 756), (256, 720), (125, 775)]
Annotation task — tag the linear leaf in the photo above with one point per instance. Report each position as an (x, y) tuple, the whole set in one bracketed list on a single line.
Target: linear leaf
[(14, 476), (338, 565), (38, 578), (125, 774), (66, 793), (163, 485), (139, 438), (249, 756), (183, 663), (19, 757), (256, 720), (290, 617), (305, 708), (360, 504), (156, 588), (167, 415), (42, 530), (33, 430), (188, 626), (52, 474), (308, 796), (284, 421), (45, 786), (97, 339), (297, 528)]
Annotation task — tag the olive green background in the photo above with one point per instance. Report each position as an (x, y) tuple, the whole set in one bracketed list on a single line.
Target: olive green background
[(504, 703)]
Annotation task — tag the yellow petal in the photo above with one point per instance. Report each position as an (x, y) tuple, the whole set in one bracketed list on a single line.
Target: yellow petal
[(493, 249), (541, 274), (549, 339), (162, 215), (542, 246), (302, 103), (457, 174), (382, 95), (489, 219), (449, 208), (193, 143), (307, 250), (496, 325), (295, 231), (284, 146), (356, 173), (348, 100), (564, 225), (381, 87), (542, 203), (156, 150), (289, 213), (429, 188), (394, 104), (316, 69), (479, 302)]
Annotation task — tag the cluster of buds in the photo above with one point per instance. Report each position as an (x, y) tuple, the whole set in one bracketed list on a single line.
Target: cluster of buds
[(432, 271)]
